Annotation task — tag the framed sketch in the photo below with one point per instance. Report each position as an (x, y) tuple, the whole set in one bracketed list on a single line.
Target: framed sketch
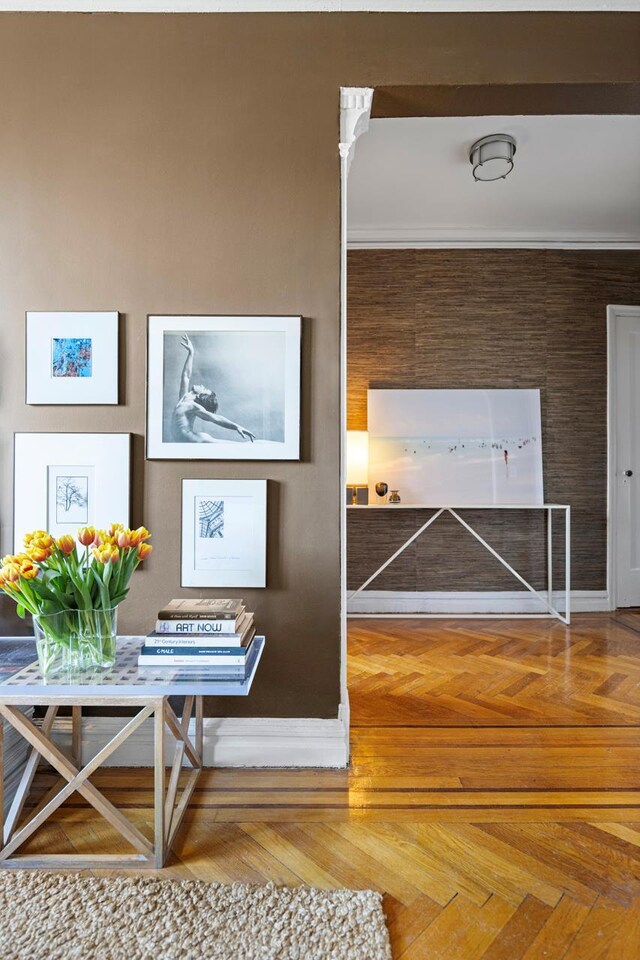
[(224, 533), (63, 481), (457, 446), (223, 388), (72, 357)]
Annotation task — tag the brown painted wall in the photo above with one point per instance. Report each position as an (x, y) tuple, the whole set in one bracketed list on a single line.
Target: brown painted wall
[(161, 164), (485, 319)]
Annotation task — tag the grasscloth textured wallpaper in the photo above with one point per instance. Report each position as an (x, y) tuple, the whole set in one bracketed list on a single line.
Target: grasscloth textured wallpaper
[(485, 319)]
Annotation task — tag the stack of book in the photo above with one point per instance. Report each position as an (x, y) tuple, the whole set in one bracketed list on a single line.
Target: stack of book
[(214, 636)]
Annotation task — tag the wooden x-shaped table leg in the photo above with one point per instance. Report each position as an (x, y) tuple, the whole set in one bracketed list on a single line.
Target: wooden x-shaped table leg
[(168, 815)]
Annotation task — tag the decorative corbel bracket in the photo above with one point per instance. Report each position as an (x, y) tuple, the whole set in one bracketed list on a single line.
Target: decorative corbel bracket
[(355, 110)]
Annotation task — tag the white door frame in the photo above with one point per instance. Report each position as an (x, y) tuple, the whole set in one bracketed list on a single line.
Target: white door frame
[(355, 110), (614, 312)]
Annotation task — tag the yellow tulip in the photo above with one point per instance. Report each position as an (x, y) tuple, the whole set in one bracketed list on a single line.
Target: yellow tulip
[(86, 536), (10, 573), (139, 535), (144, 549), (66, 543), (38, 553), (106, 553), (29, 570), (40, 538)]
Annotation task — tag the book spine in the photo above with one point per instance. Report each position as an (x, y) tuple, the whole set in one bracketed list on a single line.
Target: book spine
[(184, 615), (196, 626), (229, 640), (198, 655), (233, 672)]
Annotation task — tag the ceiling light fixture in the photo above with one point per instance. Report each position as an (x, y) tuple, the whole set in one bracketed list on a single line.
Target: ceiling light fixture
[(492, 157)]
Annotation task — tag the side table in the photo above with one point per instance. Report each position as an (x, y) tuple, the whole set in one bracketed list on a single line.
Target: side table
[(148, 689)]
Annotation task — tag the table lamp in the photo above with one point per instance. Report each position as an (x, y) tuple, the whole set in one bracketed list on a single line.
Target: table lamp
[(357, 467)]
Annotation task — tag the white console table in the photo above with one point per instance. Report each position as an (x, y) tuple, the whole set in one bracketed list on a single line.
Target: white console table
[(545, 597)]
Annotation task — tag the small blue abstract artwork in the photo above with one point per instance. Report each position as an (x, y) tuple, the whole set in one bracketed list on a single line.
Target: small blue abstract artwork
[(71, 357)]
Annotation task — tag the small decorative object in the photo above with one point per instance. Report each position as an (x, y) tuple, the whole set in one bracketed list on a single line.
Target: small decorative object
[(66, 480), (394, 497), (224, 533), (382, 489), (72, 589), (72, 357), (223, 388)]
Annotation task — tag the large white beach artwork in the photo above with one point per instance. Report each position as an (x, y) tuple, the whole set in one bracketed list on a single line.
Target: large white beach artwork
[(457, 447)]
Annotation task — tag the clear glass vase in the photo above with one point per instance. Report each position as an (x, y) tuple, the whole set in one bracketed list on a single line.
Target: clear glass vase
[(72, 642)]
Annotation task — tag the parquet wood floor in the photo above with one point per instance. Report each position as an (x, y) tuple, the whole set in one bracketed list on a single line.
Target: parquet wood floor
[(494, 793)]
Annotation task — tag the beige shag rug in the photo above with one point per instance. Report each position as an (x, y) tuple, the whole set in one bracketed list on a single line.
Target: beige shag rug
[(58, 916)]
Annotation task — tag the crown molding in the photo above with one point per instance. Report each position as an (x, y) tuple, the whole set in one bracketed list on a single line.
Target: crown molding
[(318, 6), (403, 238)]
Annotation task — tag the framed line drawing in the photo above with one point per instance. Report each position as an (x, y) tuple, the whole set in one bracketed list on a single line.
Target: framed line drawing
[(224, 533), (223, 388), (63, 481), (72, 357)]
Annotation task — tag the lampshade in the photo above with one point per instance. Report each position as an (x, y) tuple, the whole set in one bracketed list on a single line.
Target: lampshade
[(357, 457)]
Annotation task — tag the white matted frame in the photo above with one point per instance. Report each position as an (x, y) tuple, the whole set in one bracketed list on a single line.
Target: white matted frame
[(92, 335), (41, 460), (250, 363), (224, 533)]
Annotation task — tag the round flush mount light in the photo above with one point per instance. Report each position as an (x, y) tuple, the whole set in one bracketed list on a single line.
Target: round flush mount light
[(492, 157)]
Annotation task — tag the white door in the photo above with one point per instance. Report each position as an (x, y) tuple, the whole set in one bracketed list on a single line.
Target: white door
[(624, 467)]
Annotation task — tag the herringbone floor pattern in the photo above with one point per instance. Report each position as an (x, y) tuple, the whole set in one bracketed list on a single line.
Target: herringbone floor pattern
[(493, 795)]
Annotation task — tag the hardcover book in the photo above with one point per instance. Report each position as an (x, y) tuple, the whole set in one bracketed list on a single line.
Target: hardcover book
[(207, 628), (204, 609)]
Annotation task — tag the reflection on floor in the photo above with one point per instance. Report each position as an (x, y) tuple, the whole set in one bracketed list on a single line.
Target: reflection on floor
[(494, 793)]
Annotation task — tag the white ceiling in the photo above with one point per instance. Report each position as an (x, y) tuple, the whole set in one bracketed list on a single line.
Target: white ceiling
[(576, 182)]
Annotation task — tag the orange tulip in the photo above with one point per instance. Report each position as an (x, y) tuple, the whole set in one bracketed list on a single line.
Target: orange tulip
[(144, 549), (66, 543), (86, 536), (29, 570), (38, 553), (139, 535)]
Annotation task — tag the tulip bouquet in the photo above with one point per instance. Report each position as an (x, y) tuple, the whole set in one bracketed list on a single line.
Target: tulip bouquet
[(72, 589)]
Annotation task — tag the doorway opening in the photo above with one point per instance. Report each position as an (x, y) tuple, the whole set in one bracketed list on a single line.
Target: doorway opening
[(455, 285)]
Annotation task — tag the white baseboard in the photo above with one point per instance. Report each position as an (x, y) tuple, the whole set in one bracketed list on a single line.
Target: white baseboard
[(458, 603), (228, 742)]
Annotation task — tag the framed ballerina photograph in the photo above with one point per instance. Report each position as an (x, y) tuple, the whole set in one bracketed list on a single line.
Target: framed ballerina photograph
[(223, 388)]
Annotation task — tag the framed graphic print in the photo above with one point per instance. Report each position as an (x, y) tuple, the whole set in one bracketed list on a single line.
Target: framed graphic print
[(223, 388), (72, 357), (63, 481), (224, 533)]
